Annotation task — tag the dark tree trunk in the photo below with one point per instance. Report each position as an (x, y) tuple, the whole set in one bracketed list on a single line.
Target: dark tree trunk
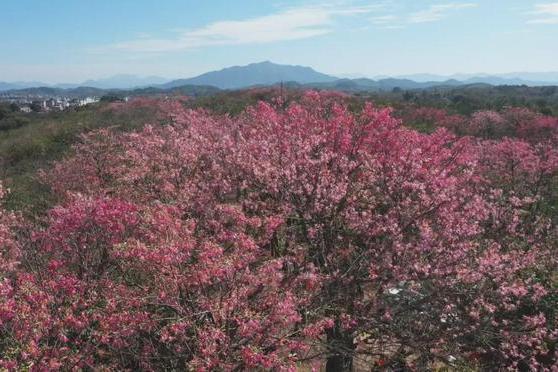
[(341, 347)]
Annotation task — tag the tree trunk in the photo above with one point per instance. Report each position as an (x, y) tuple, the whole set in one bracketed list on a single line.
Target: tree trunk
[(341, 347)]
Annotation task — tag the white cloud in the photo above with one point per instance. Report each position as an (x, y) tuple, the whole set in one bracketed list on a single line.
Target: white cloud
[(545, 14), (384, 20), (290, 24), (437, 12), (433, 13)]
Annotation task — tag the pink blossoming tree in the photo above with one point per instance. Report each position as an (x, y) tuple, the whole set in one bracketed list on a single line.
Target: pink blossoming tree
[(289, 234)]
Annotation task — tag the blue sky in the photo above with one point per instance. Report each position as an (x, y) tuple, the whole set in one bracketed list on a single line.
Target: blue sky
[(75, 40)]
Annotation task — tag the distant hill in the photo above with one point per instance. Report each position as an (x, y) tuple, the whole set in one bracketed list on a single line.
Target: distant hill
[(124, 81), (388, 84), (268, 73), (263, 73), (47, 91), (512, 78), (19, 85), (79, 92)]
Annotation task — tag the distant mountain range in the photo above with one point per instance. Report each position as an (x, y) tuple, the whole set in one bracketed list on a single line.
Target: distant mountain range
[(268, 73), (515, 78), (80, 92), (4, 86), (263, 73), (122, 81)]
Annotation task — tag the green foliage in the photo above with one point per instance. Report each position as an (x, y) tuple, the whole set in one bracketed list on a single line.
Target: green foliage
[(422, 127), (11, 118), (467, 99), (39, 139), (111, 98), (231, 103)]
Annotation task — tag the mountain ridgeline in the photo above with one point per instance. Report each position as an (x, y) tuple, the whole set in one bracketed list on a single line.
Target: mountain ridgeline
[(263, 73), (266, 74)]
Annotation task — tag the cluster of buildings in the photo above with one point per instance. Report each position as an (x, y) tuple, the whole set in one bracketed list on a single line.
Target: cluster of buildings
[(46, 104)]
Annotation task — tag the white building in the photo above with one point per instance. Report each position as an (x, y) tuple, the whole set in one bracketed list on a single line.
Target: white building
[(88, 100)]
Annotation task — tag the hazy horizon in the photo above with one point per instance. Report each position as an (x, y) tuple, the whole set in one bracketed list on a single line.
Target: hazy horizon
[(417, 76), (78, 41)]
